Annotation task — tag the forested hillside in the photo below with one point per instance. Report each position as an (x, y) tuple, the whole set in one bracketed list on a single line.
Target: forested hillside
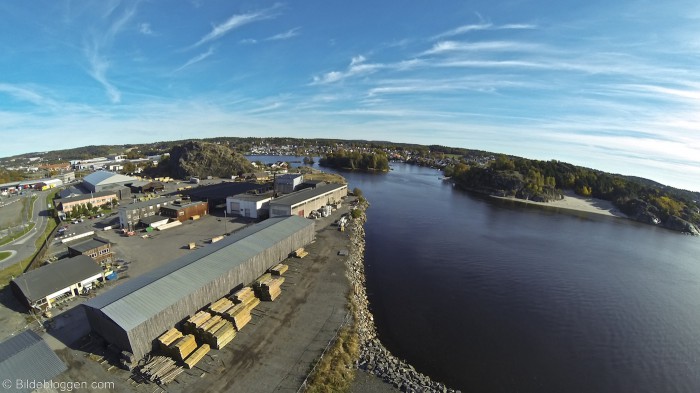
[(544, 180)]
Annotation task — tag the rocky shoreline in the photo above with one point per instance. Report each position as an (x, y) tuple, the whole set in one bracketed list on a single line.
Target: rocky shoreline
[(374, 358)]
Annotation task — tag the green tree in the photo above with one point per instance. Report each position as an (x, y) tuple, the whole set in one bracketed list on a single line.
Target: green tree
[(357, 192)]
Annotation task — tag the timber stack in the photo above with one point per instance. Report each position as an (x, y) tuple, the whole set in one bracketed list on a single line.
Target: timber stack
[(196, 356), (268, 288), (300, 253), (182, 347), (279, 269), (196, 321), (167, 338), (239, 314)]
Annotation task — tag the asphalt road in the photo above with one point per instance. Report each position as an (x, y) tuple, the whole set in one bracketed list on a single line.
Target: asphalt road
[(24, 246)]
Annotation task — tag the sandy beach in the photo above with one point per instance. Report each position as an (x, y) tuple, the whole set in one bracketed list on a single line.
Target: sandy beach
[(575, 202)]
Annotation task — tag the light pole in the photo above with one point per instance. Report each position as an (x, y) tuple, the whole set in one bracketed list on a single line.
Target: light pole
[(225, 229)]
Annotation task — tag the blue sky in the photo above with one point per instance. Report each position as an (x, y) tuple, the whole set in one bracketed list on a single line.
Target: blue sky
[(609, 85)]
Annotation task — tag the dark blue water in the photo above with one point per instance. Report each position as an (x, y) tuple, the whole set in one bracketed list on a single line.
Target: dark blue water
[(495, 296)]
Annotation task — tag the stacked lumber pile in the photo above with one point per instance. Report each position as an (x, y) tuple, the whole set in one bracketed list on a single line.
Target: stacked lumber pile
[(196, 356), (279, 269), (220, 305), (243, 295), (219, 334), (194, 322), (168, 338), (300, 253), (182, 347), (269, 288), (161, 370), (239, 314)]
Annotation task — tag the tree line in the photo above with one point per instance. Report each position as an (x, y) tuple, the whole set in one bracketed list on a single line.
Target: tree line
[(375, 161)]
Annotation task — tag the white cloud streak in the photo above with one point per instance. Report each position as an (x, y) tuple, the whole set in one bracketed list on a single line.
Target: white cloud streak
[(483, 26), (236, 21), (196, 59), (284, 36)]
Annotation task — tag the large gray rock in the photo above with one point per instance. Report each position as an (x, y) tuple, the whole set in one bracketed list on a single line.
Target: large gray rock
[(679, 224)]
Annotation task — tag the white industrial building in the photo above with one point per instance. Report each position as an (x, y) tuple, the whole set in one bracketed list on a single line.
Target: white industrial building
[(302, 203), (100, 180), (288, 183), (248, 205)]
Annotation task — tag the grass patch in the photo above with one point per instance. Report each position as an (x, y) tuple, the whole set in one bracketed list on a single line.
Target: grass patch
[(335, 372), (17, 235), (8, 273), (15, 270), (4, 254)]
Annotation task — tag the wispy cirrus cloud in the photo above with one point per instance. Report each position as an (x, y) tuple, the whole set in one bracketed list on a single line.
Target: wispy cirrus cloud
[(236, 21), (483, 26), (359, 66), (26, 94), (457, 46), (100, 41), (284, 36), (196, 59)]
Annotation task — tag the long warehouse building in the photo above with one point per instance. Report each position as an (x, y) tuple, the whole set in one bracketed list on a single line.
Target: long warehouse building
[(132, 315), (302, 203)]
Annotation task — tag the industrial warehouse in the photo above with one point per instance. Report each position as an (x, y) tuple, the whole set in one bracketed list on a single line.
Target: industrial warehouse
[(302, 203), (132, 315)]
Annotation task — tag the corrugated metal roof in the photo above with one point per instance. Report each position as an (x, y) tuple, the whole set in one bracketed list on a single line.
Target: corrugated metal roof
[(306, 194), (150, 202), (27, 357), (86, 197), (87, 245), (252, 197), (41, 282), (106, 177), (137, 300)]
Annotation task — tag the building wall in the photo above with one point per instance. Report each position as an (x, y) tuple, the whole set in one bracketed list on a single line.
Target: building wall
[(184, 213), (246, 208), (129, 215), (102, 255), (67, 206), (303, 209), (140, 339)]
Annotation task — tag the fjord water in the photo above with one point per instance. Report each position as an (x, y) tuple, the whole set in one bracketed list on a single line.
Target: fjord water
[(493, 296)]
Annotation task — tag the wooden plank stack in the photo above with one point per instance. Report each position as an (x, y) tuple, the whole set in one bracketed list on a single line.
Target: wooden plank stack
[(270, 288), (183, 347), (243, 295), (196, 356), (168, 338), (300, 253), (239, 314), (219, 334), (161, 369), (220, 305), (279, 269), (195, 321)]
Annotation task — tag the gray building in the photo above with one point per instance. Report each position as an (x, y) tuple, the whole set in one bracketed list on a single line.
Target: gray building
[(52, 284), (131, 214), (26, 357), (303, 202), (288, 183), (100, 180), (132, 315)]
